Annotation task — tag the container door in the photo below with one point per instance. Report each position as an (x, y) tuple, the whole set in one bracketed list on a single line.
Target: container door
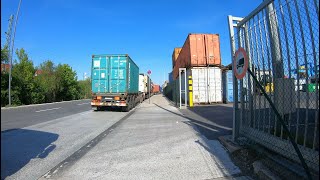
[(200, 85), (99, 75), (214, 85), (118, 75)]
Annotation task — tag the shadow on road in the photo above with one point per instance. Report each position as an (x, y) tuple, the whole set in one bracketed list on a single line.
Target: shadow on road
[(220, 123), (19, 146), (219, 114)]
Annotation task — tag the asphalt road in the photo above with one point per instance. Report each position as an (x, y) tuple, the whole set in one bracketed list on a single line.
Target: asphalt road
[(211, 120), (19, 117), (42, 136), (155, 142), (70, 141)]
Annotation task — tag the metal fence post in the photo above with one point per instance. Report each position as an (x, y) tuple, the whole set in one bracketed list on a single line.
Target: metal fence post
[(235, 118)]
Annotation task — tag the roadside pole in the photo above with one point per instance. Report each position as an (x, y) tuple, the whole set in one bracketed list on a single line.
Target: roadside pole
[(149, 88), (149, 75)]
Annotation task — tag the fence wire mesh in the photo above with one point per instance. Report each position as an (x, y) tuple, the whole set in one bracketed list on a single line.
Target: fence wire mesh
[(282, 43)]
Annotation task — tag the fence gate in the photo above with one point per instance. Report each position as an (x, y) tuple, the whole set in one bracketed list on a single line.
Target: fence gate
[(281, 38)]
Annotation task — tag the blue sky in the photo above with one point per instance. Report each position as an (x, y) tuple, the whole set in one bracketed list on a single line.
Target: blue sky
[(70, 31)]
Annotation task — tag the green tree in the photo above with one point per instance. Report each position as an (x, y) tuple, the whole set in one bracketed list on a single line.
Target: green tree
[(85, 88), (15, 90), (23, 71), (67, 86), (4, 54), (47, 80)]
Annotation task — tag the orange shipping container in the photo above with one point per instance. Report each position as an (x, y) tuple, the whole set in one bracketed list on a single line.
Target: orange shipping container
[(200, 50), (156, 88), (175, 55), (179, 64)]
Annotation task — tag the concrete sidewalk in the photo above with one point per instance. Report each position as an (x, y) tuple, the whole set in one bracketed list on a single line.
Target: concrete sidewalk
[(155, 142)]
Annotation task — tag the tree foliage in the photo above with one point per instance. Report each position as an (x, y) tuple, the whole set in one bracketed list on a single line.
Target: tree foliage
[(46, 83), (67, 83), (5, 55), (85, 88)]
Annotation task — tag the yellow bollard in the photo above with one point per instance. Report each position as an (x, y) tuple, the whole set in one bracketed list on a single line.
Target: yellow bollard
[(190, 91)]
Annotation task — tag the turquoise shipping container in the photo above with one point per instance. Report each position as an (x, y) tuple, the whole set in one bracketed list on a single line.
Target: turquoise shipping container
[(116, 73)]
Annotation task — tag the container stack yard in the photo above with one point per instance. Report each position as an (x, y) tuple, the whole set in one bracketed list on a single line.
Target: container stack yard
[(200, 55)]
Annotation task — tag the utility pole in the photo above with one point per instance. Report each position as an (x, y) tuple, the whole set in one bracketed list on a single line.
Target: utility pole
[(8, 42), (10, 67)]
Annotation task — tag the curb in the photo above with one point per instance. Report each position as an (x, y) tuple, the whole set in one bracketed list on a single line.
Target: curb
[(263, 172), (229, 144)]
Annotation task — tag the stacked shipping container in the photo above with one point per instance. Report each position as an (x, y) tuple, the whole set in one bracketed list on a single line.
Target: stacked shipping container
[(200, 54), (206, 84), (170, 78), (156, 89), (228, 87), (199, 50), (175, 55)]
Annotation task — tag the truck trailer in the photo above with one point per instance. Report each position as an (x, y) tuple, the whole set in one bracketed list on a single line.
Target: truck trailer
[(115, 82), (145, 85)]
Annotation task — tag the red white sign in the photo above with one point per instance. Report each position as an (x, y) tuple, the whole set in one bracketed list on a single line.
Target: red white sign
[(240, 63), (149, 72)]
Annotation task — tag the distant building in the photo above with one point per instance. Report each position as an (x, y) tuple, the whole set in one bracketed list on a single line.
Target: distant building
[(5, 67), (38, 72)]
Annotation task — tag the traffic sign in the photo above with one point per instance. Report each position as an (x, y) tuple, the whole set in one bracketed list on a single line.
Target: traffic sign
[(149, 72), (240, 63)]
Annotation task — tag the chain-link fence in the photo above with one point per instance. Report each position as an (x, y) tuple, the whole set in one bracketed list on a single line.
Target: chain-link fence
[(281, 38)]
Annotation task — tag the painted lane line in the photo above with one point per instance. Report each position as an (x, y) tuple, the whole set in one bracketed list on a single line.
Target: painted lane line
[(83, 103), (48, 109), (86, 112), (43, 104)]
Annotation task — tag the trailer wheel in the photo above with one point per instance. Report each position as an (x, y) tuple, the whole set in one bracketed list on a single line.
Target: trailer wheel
[(131, 104)]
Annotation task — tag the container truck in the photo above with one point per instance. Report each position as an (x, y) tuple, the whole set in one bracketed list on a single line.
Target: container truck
[(148, 86), (144, 87), (115, 82)]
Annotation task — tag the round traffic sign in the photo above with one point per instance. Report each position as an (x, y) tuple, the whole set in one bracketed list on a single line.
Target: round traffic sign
[(149, 72), (240, 63)]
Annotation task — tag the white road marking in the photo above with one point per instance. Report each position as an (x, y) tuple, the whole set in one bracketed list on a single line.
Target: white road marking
[(48, 109), (86, 112), (4, 108), (83, 103)]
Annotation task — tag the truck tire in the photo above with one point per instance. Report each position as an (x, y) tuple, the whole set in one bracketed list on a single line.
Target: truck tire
[(131, 103)]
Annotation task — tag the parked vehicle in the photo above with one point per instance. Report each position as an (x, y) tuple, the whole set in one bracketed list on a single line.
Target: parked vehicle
[(145, 86), (115, 82)]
